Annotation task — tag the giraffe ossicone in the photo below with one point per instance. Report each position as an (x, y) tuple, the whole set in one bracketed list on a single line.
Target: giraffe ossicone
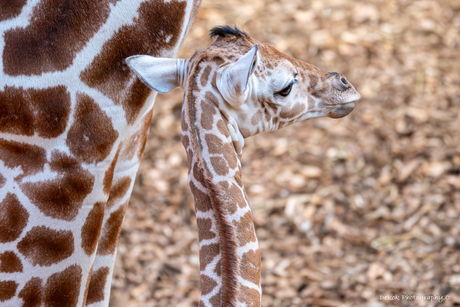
[(235, 88)]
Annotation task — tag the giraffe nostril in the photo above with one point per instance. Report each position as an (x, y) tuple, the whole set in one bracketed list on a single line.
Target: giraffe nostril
[(340, 82)]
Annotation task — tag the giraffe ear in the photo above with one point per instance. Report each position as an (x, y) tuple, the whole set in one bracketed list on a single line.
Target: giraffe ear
[(234, 79), (160, 74)]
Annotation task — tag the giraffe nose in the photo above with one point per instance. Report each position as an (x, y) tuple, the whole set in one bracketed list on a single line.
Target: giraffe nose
[(340, 82)]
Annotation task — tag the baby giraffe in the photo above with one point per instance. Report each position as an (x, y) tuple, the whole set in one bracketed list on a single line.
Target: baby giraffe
[(235, 88)]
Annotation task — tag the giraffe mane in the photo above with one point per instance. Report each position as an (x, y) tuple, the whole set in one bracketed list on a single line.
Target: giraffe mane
[(224, 31)]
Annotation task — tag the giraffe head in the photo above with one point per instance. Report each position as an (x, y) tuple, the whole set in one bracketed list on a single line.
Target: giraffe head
[(258, 88)]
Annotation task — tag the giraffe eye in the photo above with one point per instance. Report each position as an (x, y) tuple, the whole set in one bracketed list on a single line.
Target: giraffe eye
[(285, 91)]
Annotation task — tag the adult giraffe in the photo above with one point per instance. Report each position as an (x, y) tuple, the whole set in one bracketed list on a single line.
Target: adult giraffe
[(235, 88), (73, 124)]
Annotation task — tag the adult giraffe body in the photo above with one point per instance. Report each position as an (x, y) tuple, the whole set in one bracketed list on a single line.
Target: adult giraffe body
[(73, 125)]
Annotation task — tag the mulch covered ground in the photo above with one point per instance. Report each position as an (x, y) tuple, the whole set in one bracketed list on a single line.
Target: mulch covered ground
[(347, 210)]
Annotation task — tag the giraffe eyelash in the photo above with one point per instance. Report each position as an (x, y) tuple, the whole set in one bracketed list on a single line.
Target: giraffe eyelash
[(287, 90)]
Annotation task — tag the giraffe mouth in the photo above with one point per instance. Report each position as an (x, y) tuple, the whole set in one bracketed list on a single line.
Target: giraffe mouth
[(342, 110)]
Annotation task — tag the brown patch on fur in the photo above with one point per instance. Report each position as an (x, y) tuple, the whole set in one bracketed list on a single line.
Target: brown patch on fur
[(10, 263), (13, 218), (92, 228), (118, 191), (30, 111), (207, 118), (238, 177), (215, 301), (204, 229), (108, 176), (2, 180), (236, 197), (266, 104), (202, 201), (256, 118), (185, 142), (250, 266), (294, 112), (57, 32), (144, 133), (223, 128), (313, 82), (108, 72), (88, 280), (32, 293), (218, 60), (198, 173), (219, 165), (245, 230), (62, 197), (31, 158), (245, 132), (190, 158), (97, 285), (205, 75), (91, 136), (224, 184), (62, 288), (267, 115), (211, 98), (108, 241), (216, 146), (238, 148), (207, 254), (184, 125), (45, 246), (11, 9), (218, 268), (7, 290), (250, 295), (207, 284)]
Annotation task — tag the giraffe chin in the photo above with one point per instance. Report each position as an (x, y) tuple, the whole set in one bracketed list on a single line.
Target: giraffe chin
[(342, 110)]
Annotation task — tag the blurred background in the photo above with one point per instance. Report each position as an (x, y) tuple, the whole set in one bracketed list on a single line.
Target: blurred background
[(345, 210)]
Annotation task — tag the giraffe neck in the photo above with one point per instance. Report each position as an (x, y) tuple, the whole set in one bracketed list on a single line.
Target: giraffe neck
[(229, 253)]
